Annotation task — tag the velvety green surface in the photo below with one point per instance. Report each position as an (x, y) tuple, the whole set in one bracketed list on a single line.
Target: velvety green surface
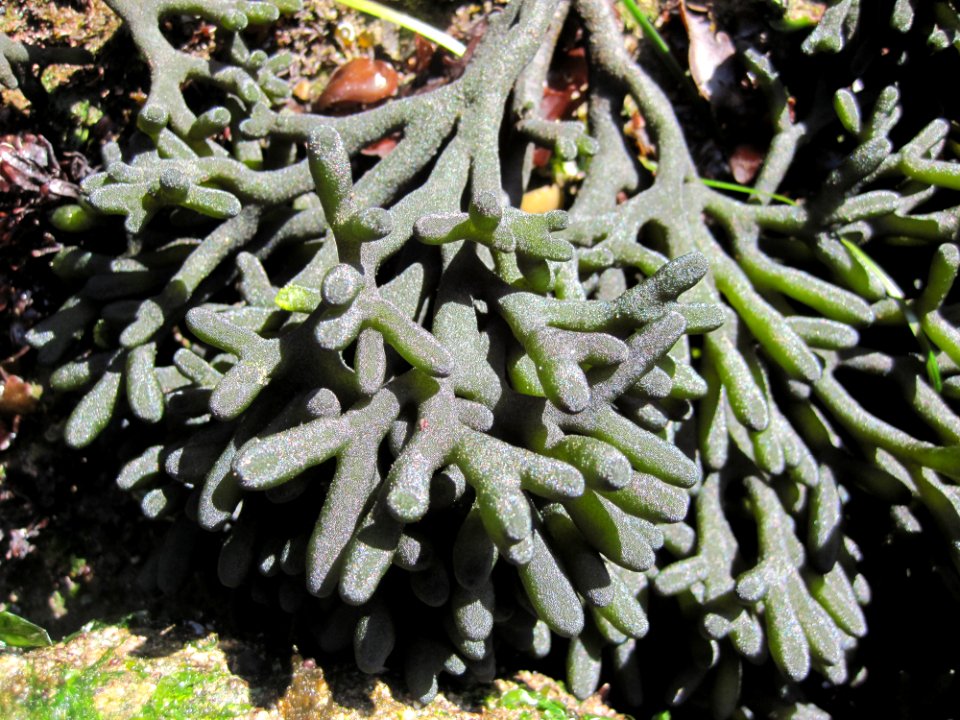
[(432, 423)]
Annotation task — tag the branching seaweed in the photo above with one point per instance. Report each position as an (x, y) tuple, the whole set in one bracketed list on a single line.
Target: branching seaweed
[(427, 420)]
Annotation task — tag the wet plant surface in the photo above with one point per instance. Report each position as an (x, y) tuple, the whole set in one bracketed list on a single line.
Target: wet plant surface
[(72, 543)]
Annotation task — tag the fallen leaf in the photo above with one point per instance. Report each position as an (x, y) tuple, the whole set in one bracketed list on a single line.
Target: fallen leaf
[(542, 199), (303, 90), (31, 176), (359, 82), (424, 50), (745, 162), (541, 156), (636, 128), (557, 104), (382, 147), (709, 54), (18, 397)]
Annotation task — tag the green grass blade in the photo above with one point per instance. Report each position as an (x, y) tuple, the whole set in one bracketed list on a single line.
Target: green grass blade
[(16, 631), (894, 291), (651, 167), (653, 35), (410, 23), (733, 187)]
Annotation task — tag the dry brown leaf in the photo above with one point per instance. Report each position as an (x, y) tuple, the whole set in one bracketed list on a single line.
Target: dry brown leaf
[(18, 397), (709, 53), (745, 162), (362, 81), (542, 199)]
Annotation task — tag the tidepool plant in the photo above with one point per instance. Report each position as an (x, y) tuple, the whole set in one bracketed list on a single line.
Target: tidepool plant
[(432, 424)]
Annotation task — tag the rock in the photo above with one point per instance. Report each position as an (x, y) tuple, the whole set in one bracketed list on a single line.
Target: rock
[(143, 670)]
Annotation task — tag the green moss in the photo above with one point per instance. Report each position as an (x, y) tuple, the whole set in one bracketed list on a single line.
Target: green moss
[(540, 706), (189, 695), (84, 115), (120, 687), (68, 695)]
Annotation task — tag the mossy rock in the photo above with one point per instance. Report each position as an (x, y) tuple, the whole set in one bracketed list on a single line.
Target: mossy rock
[(185, 672)]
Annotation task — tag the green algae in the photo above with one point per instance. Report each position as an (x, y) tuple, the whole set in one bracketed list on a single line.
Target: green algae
[(188, 694), (533, 705), (105, 674)]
